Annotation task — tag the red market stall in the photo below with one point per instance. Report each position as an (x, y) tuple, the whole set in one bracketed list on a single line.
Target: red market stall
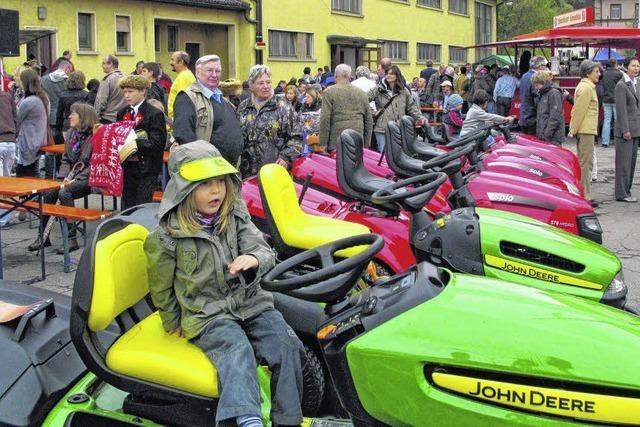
[(584, 37)]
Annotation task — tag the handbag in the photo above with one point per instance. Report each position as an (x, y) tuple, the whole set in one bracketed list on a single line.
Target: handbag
[(378, 114)]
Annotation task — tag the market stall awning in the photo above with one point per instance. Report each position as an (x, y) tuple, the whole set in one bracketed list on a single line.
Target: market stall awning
[(500, 60), (27, 35), (573, 36)]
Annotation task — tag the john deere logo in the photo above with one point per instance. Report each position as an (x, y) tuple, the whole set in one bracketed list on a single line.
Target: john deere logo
[(538, 273), (533, 398), (594, 407)]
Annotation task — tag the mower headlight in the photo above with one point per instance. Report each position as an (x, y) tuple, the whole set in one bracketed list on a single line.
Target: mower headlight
[(589, 227), (572, 188), (616, 293)]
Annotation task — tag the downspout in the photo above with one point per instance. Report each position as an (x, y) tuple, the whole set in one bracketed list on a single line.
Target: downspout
[(258, 23)]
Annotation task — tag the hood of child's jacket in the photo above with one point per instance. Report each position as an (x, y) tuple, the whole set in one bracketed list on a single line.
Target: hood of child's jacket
[(58, 76), (178, 188)]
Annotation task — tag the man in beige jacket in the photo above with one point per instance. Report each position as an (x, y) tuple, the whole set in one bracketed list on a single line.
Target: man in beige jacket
[(344, 106), (584, 121), (109, 98)]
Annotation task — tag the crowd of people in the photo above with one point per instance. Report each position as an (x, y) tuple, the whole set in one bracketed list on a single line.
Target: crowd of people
[(256, 121)]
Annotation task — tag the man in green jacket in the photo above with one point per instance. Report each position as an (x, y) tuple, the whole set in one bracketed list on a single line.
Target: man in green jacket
[(344, 106)]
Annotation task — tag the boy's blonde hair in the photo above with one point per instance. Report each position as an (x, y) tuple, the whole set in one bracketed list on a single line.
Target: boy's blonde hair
[(186, 210), (542, 77)]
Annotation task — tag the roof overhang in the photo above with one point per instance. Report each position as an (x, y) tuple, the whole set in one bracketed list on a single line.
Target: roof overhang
[(351, 40), (28, 35), (572, 37), (237, 5)]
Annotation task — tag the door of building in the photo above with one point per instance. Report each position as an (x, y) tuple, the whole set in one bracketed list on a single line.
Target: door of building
[(369, 57), (42, 50), (193, 49)]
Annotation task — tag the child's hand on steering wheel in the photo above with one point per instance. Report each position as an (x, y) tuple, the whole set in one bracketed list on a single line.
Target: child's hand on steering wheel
[(243, 263)]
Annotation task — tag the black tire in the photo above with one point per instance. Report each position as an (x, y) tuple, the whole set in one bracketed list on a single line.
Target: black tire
[(313, 382)]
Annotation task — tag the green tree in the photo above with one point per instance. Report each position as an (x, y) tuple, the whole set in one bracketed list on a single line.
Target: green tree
[(524, 16)]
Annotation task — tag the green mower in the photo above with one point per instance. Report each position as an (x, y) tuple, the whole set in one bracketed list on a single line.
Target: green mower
[(424, 347)]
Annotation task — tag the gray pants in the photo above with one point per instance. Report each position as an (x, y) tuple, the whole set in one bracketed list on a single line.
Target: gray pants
[(234, 346), (626, 154)]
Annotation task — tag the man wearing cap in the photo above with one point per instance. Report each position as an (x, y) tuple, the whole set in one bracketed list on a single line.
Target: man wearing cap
[(503, 93), (446, 88), (202, 112), (142, 167)]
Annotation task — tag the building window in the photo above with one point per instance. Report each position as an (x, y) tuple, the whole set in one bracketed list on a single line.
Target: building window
[(156, 37), (428, 52), (397, 51), (172, 38), (123, 34), (457, 54), (350, 6), (615, 11), (288, 44), (484, 29), (458, 6), (86, 26), (431, 3)]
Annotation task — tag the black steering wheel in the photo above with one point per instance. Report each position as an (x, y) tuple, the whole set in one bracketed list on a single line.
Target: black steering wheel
[(333, 280), (445, 158), (424, 187), (475, 136)]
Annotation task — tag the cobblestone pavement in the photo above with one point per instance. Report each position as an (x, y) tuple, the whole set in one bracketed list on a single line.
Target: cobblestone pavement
[(620, 221)]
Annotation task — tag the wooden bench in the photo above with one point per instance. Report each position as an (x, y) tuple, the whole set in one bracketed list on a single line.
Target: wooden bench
[(64, 214)]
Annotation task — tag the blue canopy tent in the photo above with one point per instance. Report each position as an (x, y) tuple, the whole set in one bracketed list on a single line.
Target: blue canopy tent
[(604, 54)]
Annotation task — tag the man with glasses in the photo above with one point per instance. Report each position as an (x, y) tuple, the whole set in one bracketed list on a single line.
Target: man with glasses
[(201, 112)]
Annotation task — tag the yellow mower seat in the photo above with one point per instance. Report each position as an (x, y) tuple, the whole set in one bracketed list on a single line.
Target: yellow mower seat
[(148, 353), (145, 351), (296, 228)]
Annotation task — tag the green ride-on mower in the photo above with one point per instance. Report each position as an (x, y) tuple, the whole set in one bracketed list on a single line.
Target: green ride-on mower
[(424, 347)]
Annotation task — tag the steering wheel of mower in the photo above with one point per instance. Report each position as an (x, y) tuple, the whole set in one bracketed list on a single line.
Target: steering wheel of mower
[(424, 187), (445, 158), (476, 136), (333, 280)]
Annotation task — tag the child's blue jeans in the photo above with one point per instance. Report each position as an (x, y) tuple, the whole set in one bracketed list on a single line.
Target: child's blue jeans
[(234, 346)]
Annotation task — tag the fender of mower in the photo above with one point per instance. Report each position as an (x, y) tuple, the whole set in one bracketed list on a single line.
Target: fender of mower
[(537, 200), (529, 358), (39, 362), (531, 141)]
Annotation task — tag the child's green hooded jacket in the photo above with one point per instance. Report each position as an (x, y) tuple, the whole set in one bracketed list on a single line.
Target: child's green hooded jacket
[(188, 277)]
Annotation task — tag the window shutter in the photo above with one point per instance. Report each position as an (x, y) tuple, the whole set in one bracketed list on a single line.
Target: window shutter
[(122, 24)]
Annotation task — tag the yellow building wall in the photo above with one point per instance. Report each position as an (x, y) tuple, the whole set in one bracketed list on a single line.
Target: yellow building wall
[(62, 16), (381, 19)]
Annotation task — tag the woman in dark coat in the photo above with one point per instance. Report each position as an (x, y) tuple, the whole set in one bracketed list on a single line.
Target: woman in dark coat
[(549, 110), (73, 92)]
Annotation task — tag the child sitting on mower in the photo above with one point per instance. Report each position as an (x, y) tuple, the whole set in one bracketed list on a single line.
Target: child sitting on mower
[(477, 116), (206, 260)]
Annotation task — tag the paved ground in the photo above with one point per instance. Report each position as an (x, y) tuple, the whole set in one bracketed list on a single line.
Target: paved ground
[(620, 221)]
